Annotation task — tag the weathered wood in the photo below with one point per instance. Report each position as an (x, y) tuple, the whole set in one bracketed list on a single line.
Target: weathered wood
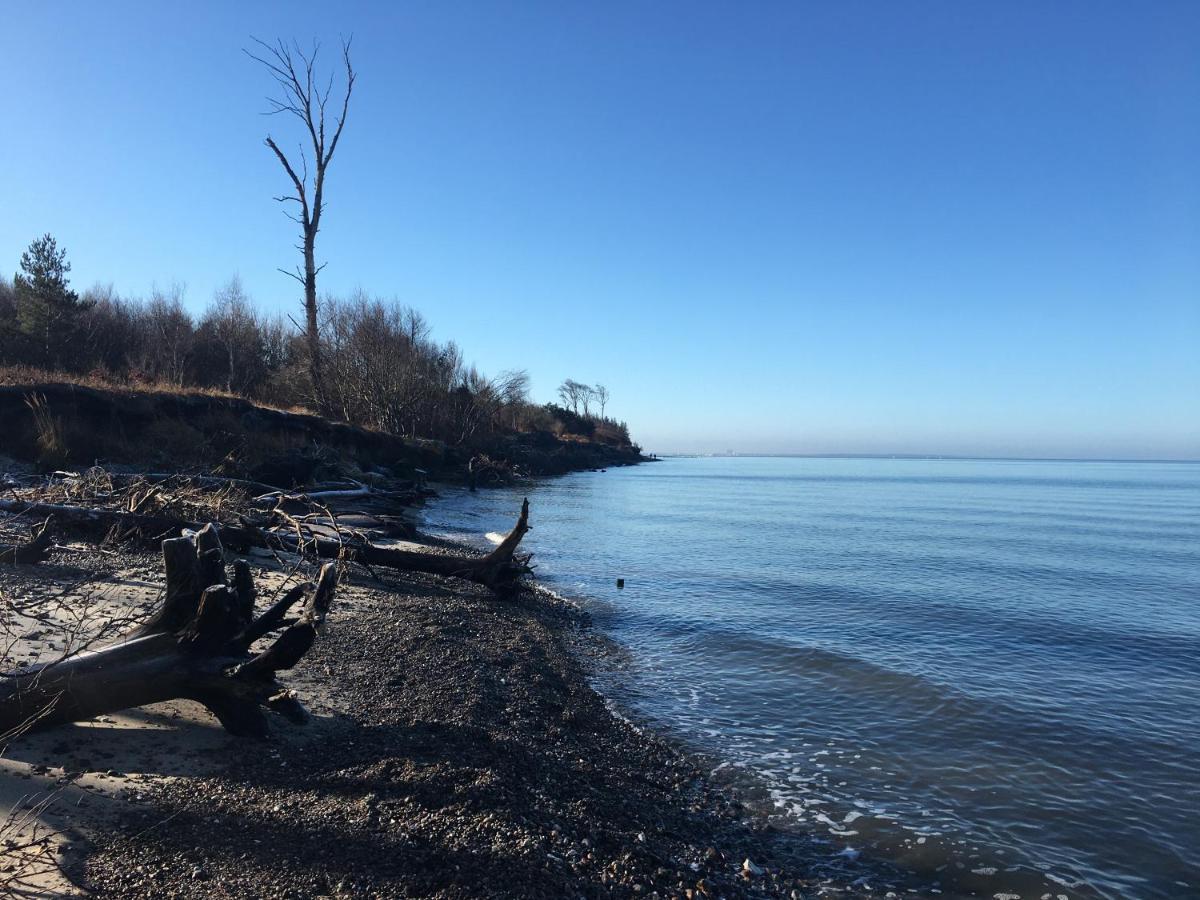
[(351, 493), (496, 570), (34, 550), (198, 647)]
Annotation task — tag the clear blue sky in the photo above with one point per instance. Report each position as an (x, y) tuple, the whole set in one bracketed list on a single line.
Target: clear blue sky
[(850, 227)]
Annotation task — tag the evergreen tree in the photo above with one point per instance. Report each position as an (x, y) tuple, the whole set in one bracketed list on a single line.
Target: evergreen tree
[(47, 308)]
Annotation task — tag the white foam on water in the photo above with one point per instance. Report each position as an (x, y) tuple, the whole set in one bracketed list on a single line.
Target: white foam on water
[(612, 707)]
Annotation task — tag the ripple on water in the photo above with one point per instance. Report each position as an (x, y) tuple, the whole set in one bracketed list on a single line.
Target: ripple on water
[(985, 673)]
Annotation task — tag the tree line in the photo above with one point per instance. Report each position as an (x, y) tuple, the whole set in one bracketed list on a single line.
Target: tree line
[(361, 359), (383, 368), (580, 397)]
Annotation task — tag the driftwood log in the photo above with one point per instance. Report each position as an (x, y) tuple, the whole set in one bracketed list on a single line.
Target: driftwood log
[(34, 550), (198, 646), (496, 570), (355, 491)]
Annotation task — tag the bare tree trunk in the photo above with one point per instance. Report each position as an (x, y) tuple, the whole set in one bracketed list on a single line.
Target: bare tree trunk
[(197, 647), (312, 328)]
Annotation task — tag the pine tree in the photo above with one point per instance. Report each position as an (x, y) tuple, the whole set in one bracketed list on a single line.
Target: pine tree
[(47, 308)]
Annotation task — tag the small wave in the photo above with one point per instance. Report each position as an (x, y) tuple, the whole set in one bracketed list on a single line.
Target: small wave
[(1006, 652)]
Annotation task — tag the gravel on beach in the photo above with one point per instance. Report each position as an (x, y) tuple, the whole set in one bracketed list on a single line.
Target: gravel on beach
[(457, 750)]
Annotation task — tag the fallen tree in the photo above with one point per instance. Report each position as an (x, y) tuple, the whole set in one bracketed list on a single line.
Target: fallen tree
[(34, 550), (198, 646), (496, 570)]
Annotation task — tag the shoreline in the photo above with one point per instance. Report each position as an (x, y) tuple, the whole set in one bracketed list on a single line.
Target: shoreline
[(925, 862), (458, 748)]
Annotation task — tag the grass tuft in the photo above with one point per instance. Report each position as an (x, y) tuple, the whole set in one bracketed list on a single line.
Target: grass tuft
[(53, 452)]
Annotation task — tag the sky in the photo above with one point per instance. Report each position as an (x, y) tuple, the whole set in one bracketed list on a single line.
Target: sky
[(929, 227)]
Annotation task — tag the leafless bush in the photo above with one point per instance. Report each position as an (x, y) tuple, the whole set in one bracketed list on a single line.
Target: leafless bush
[(387, 372)]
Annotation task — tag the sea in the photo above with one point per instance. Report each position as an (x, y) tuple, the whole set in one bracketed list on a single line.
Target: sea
[(982, 673)]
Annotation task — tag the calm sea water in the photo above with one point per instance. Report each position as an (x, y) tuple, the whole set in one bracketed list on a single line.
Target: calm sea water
[(984, 672)]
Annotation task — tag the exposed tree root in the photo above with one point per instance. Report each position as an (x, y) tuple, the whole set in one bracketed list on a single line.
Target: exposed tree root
[(197, 646)]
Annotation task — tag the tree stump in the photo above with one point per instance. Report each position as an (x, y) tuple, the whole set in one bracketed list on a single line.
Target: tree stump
[(197, 646)]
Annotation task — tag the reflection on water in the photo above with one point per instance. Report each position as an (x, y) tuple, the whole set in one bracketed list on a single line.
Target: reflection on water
[(985, 671)]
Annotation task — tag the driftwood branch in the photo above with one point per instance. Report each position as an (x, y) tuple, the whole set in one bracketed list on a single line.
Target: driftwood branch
[(198, 647)]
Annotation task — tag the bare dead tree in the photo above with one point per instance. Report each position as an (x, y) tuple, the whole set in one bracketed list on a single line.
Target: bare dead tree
[(600, 392), (303, 97)]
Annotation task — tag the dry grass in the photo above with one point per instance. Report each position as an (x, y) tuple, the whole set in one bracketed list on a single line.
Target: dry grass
[(53, 452), (30, 375)]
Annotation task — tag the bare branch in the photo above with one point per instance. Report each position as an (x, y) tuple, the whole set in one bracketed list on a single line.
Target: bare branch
[(288, 168), (350, 77)]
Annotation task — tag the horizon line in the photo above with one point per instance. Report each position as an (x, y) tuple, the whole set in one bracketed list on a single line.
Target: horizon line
[(922, 456)]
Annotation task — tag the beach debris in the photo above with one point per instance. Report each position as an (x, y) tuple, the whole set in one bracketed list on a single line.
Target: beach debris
[(281, 530), (620, 583), (749, 868), (198, 645)]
